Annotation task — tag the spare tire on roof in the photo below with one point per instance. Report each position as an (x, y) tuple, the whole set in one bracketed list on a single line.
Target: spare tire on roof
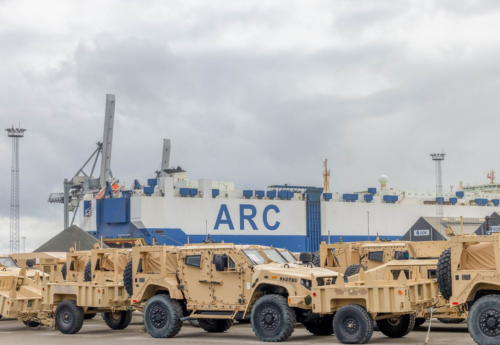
[(306, 257)]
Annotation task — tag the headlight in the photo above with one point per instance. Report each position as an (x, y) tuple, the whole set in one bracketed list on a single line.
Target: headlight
[(306, 283)]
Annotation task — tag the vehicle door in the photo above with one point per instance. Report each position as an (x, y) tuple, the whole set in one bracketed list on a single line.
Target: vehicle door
[(230, 278), (195, 276)]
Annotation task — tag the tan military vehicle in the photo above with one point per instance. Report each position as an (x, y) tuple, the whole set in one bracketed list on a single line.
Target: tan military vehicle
[(8, 265), (219, 283), (351, 257), (20, 296), (468, 276), (391, 295), (65, 304), (59, 258)]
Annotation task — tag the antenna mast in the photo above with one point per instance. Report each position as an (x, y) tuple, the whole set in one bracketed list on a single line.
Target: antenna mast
[(326, 177), (15, 134)]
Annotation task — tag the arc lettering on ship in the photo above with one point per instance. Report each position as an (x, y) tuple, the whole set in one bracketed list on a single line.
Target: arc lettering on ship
[(247, 213)]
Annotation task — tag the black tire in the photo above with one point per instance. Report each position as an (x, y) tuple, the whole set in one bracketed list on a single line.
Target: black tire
[(69, 317), (353, 270), (162, 317), (397, 327), (419, 321), (316, 259), (483, 320), (353, 325), (89, 316), (118, 320), (272, 319), (444, 274), (0, 317), (215, 325), (127, 278), (64, 271), (320, 325), (448, 320), (87, 275), (306, 257)]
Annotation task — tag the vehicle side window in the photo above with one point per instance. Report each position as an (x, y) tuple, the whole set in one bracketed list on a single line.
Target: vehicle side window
[(376, 256), (232, 265), (193, 260)]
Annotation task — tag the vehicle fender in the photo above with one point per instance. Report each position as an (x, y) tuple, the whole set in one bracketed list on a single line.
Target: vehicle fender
[(270, 285), (151, 288), (479, 286)]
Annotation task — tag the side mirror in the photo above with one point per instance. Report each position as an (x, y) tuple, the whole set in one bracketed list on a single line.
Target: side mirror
[(219, 263)]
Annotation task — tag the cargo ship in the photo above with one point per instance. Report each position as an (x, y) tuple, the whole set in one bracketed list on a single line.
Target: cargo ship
[(171, 209)]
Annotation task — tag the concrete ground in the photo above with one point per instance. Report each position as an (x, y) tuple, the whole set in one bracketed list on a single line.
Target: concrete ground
[(96, 332)]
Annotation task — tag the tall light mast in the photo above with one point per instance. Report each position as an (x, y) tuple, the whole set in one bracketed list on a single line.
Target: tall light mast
[(326, 178), (15, 134), (438, 157)]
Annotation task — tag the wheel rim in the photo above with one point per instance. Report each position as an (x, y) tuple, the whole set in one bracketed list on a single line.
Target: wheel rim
[(394, 321), (158, 317), (65, 316), (116, 316), (350, 325), (489, 322), (269, 319)]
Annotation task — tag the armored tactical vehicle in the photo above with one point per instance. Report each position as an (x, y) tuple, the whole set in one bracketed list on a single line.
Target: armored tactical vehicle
[(350, 258), (219, 283), (468, 276), (65, 304)]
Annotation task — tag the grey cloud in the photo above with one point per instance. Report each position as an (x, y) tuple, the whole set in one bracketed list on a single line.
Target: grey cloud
[(247, 112)]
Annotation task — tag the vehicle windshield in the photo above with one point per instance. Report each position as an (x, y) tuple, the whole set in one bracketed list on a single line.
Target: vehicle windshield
[(255, 257), (288, 256), (273, 255), (7, 262)]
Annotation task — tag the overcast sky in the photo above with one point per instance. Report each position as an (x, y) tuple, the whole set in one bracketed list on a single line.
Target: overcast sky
[(255, 92)]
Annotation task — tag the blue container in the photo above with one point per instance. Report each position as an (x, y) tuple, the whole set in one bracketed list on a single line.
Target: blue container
[(193, 191), (149, 190), (152, 182), (390, 199), (248, 193), (481, 202), (440, 200), (271, 194), (372, 191), (460, 194), (215, 193), (350, 197), (283, 194), (368, 197), (495, 201), (184, 192), (260, 194), (327, 196), (453, 200)]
